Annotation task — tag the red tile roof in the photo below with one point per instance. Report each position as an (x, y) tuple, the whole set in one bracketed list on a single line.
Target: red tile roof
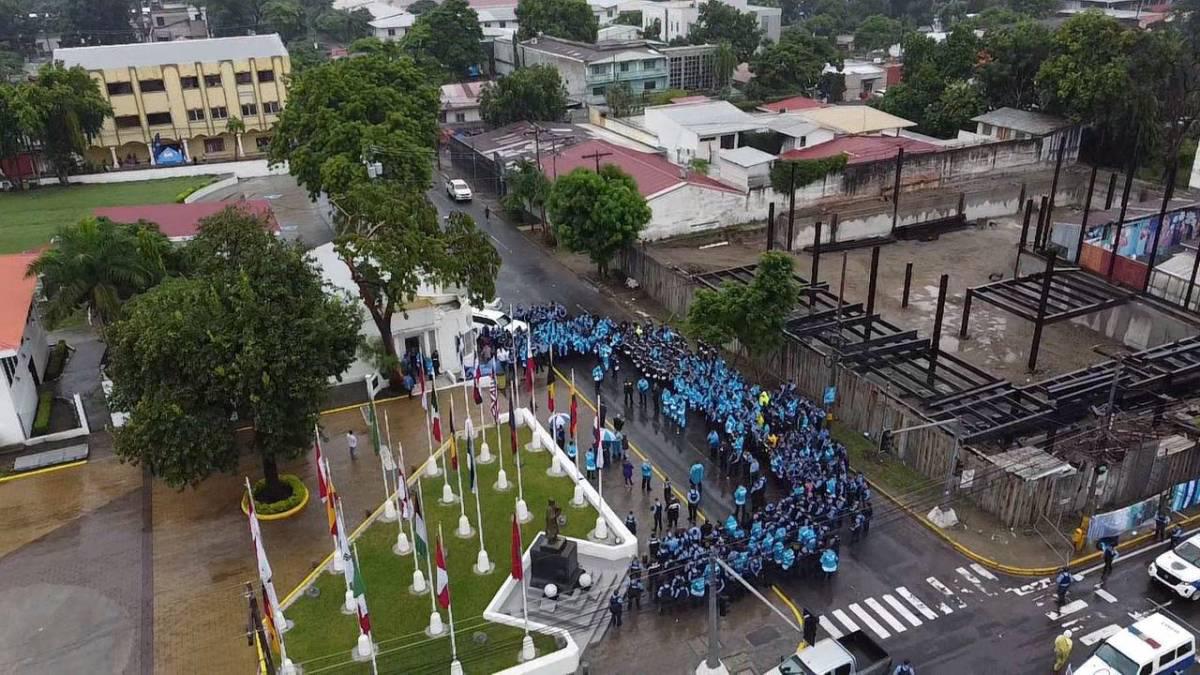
[(861, 149), (182, 221), (790, 104), (16, 297), (652, 172)]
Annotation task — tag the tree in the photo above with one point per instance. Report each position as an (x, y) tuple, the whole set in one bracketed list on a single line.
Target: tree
[(533, 94), (97, 22), (725, 62), (344, 25), (597, 213), (806, 171), (197, 358), (792, 65), (304, 56), (566, 19), (64, 110), (449, 35), (619, 99), (13, 118), (755, 313), (630, 18), (285, 17), (718, 22), (930, 69), (345, 111), (1008, 65), (653, 31), (98, 265), (528, 187), (953, 110), (421, 6), (877, 32), (237, 17), (1038, 9)]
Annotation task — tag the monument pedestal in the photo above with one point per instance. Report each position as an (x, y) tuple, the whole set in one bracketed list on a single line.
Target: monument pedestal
[(554, 563)]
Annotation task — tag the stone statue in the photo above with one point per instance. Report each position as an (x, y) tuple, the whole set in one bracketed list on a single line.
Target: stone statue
[(553, 518)]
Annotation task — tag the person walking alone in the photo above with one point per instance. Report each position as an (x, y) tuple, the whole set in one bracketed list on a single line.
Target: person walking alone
[(352, 443), (627, 473), (657, 511), (647, 471), (1062, 652)]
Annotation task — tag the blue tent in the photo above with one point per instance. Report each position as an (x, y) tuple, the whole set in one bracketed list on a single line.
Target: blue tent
[(169, 156)]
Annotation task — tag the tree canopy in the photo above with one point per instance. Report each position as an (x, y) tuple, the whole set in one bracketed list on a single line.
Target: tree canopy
[(1008, 65), (597, 213), (755, 313), (877, 32), (528, 187), (566, 19), (63, 110), (448, 35), (792, 65), (719, 22), (532, 94), (196, 357)]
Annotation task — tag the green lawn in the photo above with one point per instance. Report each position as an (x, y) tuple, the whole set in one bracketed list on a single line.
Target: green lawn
[(28, 219), (323, 637), (889, 472)]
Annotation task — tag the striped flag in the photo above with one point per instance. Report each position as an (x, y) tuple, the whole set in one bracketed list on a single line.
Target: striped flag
[(518, 562), (436, 418), (495, 393), (471, 454), (322, 478), (441, 584), (574, 407), (360, 596), (550, 390), (268, 621), (402, 491), (529, 370), (420, 534), (476, 394), (373, 420), (453, 442), (330, 502), (265, 577), (421, 379), (512, 420)]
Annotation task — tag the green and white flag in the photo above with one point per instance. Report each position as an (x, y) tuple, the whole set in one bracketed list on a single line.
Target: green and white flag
[(360, 597), (420, 534), (373, 420)]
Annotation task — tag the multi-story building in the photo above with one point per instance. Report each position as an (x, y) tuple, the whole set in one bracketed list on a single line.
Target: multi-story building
[(675, 18), (23, 349), (174, 101), (693, 67), (167, 21)]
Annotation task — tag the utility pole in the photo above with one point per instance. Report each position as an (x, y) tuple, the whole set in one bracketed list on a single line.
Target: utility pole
[(596, 155), (712, 664)]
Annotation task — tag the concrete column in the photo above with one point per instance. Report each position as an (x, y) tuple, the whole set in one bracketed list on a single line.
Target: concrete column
[(150, 151), (116, 162), (240, 152), (187, 152)]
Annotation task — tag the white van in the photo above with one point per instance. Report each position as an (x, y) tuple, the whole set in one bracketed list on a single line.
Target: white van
[(1179, 569), (1153, 646)]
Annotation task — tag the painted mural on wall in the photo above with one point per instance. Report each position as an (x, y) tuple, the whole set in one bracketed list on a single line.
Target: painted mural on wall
[(1137, 236)]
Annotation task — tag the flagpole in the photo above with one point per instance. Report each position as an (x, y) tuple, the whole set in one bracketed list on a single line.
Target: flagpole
[(343, 544), (455, 666), (389, 507), (482, 564), (323, 475), (435, 620), (577, 499), (575, 429), (365, 641), (432, 470), (447, 491), (518, 575), (502, 476), (601, 531), (517, 445)]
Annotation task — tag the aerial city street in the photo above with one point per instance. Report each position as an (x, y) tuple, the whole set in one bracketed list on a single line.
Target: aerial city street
[(775, 337)]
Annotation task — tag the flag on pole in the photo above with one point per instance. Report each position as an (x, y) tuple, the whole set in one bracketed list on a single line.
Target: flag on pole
[(512, 423), (436, 418), (402, 492), (453, 442), (476, 394), (471, 454), (420, 534), (322, 479), (529, 370), (360, 597), (441, 584), (373, 420), (330, 502), (518, 562), (550, 390), (495, 392), (574, 410), (421, 379), (268, 621)]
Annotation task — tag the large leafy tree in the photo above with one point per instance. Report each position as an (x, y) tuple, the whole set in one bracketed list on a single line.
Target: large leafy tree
[(533, 94), (237, 17), (528, 187), (13, 117), (930, 69), (566, 19), (719, 22), (196, 358), (1008, 65), (97, 22), (98, 265), (64, 110), (448, 35), (792, 65), (285, 17), (877, 32), (755, 313), (597, 213)]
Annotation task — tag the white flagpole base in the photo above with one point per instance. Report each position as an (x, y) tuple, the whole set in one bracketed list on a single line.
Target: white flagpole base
[(288, 668), (577, 499), (527, 652), (282, 623), (601, 531), (448, 496), (350, 606), (485, 454), (364, 649), (456, 667), (534, 445), (432, 469), (556, 469), (483, 565), (464, 528), (337, 565), (418, 585), (523, 515), (502, 481), (389, 512), (436, 627), (402, 547)]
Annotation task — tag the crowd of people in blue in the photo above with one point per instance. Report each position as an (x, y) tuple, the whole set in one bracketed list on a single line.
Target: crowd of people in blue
[(753, 434)]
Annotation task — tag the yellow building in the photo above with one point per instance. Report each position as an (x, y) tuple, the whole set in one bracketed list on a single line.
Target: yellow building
[(181, 96)]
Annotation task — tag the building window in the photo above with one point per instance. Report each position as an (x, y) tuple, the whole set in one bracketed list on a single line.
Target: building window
[(625, 67), (987, 130), (391, 32), (154, 119), (214, 145), (128, 122), (803, 141), (503, 24), (189, 82), (271, 108), (218, 113), (263, 143), (212, 80), (160, 21), (163, 38), (266, 76), (599, 69), (650, 85), (649, 64), (249, 110), (151, 85), (10, 368), (460, 117), (117, 88), (196, 115), (242, 78), (597, 91)]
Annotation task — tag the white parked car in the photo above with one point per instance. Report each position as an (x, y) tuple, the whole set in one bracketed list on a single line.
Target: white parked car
[(458, 190), (493, 318), (1179, 569), (1154, 645)]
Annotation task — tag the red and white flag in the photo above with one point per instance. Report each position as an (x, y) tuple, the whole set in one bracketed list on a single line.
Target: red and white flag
[(441, 584), (518, 559), (322, 479)]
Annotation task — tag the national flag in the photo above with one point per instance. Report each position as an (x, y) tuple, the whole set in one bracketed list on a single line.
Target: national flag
[(471, 454), (421, 379), (268, 620), (529, 370), (264, 566), (420, 534), (373, 420), (441, 584), (322, 479), (360, 598), (574, 409), (331, 502), (550, 390), (477, 395), (495, 398), (402, 492), (518, 561), (435, 419), (453, 442), (512, 422)]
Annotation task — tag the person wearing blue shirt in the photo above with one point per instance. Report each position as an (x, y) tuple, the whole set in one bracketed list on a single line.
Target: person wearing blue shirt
[(739, 503), (598, 376), (697, 586), (829, 563), (693, 499), (647, 471), (643, 386), (573, 452), (590, 463), (696, 475), (714, 441)]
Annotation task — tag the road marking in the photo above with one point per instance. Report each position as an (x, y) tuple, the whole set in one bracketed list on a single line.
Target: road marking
[(846, 621), (891, 620), (983, 572), (908, 616), (1069, 608), (973, 580), (916, 602), (1102, 634), (1109, 597), (944, 590), (869, 622), (830, 628), (1034, 587), (499, 243)]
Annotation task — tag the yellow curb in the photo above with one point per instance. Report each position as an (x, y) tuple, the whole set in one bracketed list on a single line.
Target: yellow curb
[(38, 472), (788, 601), (278, 516)]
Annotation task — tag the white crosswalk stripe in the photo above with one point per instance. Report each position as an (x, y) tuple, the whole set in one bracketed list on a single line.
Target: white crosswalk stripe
[(847, 622), (830, 628), (902, 610), (983, 572), (1102, 634), (945, 590), (1069, 608), (916, 602), (883, 613), (1108, 597), (869, 621)]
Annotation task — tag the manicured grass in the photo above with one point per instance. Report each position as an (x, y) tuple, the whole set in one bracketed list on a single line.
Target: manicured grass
[(28, 219), (889, 472), (323, 637)]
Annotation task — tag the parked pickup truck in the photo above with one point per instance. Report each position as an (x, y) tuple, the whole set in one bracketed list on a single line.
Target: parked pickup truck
[(854, 653)]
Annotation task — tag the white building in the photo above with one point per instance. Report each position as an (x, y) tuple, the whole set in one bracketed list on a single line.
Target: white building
[(460, 103), (430, 321), (675, 18), (746, 167), (394, 27), (862, 78), (797, 130), (699, 130), (588, 70), (23, 349), (606, 11)]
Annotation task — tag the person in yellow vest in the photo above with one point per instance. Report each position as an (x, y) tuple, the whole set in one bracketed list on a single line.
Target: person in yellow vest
[(1062, 652)]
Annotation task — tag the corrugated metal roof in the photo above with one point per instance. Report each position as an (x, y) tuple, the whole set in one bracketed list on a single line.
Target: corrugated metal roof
[(180, 51), (652, 173), (1038, 124), (790, 104), (856, 119), (747, 156), (860, 149), (710, 117)]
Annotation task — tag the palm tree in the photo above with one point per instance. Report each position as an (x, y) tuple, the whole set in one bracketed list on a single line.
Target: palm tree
[(98, 264)]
